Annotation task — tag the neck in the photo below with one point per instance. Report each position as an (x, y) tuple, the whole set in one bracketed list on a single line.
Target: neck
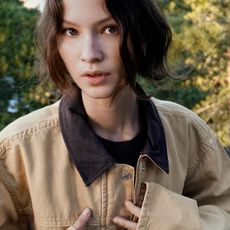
[(116, 119)]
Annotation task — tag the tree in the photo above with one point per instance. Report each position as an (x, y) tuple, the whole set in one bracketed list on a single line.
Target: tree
[(199, 51), (19, 92), (207, 42)]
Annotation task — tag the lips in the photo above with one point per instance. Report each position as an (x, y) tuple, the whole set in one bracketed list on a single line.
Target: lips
[(95, 77), (94, 73)]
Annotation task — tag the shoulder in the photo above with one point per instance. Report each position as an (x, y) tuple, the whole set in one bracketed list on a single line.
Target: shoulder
[(188, 136), (180, 118), (30, 124), (172, 108)]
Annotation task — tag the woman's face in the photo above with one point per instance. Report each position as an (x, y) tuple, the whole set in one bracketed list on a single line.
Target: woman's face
[(89, 47)]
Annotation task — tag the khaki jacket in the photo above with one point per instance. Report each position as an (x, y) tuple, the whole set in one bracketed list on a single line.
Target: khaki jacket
[(41, 189)]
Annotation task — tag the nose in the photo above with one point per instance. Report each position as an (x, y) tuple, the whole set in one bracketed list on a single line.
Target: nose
[(91, 51)]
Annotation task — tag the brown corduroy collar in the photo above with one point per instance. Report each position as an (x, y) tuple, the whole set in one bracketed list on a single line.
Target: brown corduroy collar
[(88, 154)]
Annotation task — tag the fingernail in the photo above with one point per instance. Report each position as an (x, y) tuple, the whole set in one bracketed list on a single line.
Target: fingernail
[(114, 219), (87, 212), (127, 202)]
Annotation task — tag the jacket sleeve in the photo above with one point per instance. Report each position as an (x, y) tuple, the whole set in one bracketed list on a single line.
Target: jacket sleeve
[(204, 204), (12, 193), (8, 213)]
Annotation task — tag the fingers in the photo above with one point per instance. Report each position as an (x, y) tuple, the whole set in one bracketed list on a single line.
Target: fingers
[(82, 219), (135, 210), (124, 223), (127, 224)]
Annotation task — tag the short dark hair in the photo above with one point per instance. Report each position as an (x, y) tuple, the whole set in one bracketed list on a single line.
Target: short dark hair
[(141, 21)]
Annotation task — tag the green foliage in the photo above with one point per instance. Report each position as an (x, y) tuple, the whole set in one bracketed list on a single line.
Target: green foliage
[(198, 55), (19, 92), (201, 40), (16, 56), (174, 90), (16, 39), (206, 41)]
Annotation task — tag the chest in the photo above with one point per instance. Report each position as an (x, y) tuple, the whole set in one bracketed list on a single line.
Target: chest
[(58, 194)]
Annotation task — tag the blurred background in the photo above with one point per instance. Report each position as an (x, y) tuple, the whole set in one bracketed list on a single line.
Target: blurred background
[(199, 57)]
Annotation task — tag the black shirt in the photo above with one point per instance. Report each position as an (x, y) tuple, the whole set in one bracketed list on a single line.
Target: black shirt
[(126, 152)]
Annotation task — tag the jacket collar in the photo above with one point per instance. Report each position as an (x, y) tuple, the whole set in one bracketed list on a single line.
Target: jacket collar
[(88, 154)]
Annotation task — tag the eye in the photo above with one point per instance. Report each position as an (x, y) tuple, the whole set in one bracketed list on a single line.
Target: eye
[(70, 32), (111, 29)]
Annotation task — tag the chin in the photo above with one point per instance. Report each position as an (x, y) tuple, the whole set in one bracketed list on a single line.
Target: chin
[(100, 94)]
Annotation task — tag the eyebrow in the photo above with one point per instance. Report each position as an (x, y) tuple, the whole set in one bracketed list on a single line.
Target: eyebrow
[(101, 21)]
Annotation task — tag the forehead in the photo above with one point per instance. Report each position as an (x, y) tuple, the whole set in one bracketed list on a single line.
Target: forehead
[(84, 11)]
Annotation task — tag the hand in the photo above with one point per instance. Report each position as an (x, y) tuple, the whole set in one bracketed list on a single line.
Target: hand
[(128, 224), (81, 221)]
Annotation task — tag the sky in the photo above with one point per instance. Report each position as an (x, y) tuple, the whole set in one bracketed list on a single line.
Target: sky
[(34, 3)]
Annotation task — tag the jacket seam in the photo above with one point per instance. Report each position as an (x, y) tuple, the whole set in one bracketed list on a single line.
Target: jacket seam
[(202, 155), (8, 144), (20, 210), (27, 133), (59, 221), (195, 164), (190, 117), (203, 130)]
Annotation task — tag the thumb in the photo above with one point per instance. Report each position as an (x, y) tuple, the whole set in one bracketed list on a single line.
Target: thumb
[(82, 219)]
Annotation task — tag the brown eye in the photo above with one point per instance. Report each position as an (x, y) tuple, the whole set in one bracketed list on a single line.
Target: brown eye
[(71, 32), (111, 30)]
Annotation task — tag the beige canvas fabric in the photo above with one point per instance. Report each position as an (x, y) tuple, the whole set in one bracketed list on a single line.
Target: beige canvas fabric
[(41, 189)]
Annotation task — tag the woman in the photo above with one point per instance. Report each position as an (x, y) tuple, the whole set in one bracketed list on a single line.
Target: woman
[(106, 156)]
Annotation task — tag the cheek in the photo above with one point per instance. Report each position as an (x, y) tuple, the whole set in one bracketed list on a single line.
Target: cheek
[(114, 52), (67, 57), (60, 46), (67, 50), (64, 52)]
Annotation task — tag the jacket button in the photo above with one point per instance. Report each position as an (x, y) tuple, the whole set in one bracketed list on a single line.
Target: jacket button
[(126, 175)]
